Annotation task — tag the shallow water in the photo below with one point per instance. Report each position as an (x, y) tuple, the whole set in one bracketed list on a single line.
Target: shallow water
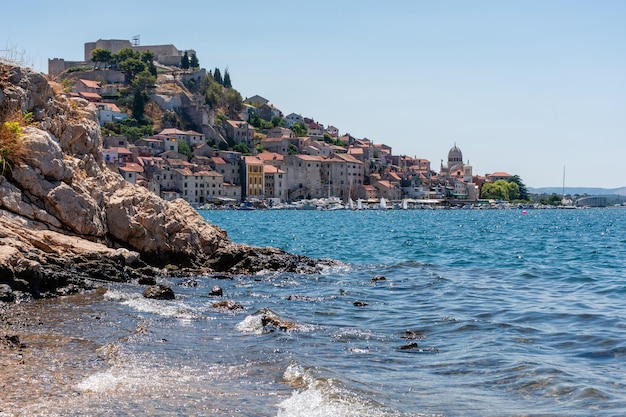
[(508, 314)]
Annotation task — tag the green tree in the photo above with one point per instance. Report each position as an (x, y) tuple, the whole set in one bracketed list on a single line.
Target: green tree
[(217, 76), (513, 190), (233, 102), (500, 190), (184, 61), (185, 149), (131, 67), (523, 192), (227, 82), (100, 55), (140, 99), (241, 147), (254, 120), (124, 54), (143, 80), (193, 62), (148, 58), (299, 129), (213, 95), (292, 149), (277, 121)]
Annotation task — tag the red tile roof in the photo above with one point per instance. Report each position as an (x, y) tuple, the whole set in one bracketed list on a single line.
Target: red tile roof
[(90, 96), (91, 84), (132, 167), (270, 156), (217, 160)]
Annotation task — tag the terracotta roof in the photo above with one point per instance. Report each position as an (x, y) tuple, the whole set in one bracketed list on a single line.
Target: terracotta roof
[(131, 167), (149, 160), (355, 151), (500, 174), (184, 171), (218, 160), (208, 174), (178, 162), (348, 158), (171, 131), (93, 96), (386, 183), (91, 84), (270, 169), (193, 133), (111, 106), (252, 160), (311, 158), (239, 124), (272, 140), (120, 151), (270, 156)]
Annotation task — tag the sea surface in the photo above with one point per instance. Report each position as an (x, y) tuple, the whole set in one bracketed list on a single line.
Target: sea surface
[(480, 313)]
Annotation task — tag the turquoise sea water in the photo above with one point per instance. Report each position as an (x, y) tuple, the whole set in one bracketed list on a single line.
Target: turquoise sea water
[(481, 313)]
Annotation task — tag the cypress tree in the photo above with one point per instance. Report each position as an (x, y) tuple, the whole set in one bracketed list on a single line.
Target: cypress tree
[(217, 75), (193, 62), (184, 61), (227, 82)]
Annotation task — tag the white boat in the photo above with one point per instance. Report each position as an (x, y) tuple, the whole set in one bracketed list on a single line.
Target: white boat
[(359, 204)]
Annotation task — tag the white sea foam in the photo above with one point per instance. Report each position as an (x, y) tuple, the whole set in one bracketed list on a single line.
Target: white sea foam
[(251, 324), (325, 397), (100, 382), (166, 308)]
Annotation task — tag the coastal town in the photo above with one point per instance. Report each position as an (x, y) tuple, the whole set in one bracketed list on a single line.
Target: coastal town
[(183, 132)]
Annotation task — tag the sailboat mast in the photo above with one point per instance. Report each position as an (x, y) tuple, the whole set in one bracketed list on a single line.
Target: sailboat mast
[(563, 182)]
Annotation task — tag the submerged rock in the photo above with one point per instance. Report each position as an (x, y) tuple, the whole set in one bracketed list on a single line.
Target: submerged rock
[(189, 283), (413, 335), (159, 292), (216, 291), (227, 305), (270, 321), (146, 281)]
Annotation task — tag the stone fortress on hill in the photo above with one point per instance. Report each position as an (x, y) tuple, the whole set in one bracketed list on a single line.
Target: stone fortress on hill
[(281, 166), (164, 54)]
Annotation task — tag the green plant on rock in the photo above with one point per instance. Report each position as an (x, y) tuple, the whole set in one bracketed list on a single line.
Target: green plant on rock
[(11, 146)]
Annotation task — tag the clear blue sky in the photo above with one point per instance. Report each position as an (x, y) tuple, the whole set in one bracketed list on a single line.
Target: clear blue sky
[(526, 86)]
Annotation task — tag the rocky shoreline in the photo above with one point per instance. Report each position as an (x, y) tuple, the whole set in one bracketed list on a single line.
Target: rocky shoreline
[(68, 223), (66, 219)]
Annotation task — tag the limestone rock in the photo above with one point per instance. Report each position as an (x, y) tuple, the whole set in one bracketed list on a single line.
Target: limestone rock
[(65, 217)]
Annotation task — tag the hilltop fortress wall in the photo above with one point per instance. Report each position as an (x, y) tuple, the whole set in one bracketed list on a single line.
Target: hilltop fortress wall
[(164, 54)]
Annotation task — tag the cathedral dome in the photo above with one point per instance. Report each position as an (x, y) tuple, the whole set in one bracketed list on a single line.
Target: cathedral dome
[(455, 156)]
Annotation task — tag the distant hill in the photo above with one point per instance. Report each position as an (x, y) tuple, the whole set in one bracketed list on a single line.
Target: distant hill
[(578, 190)]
